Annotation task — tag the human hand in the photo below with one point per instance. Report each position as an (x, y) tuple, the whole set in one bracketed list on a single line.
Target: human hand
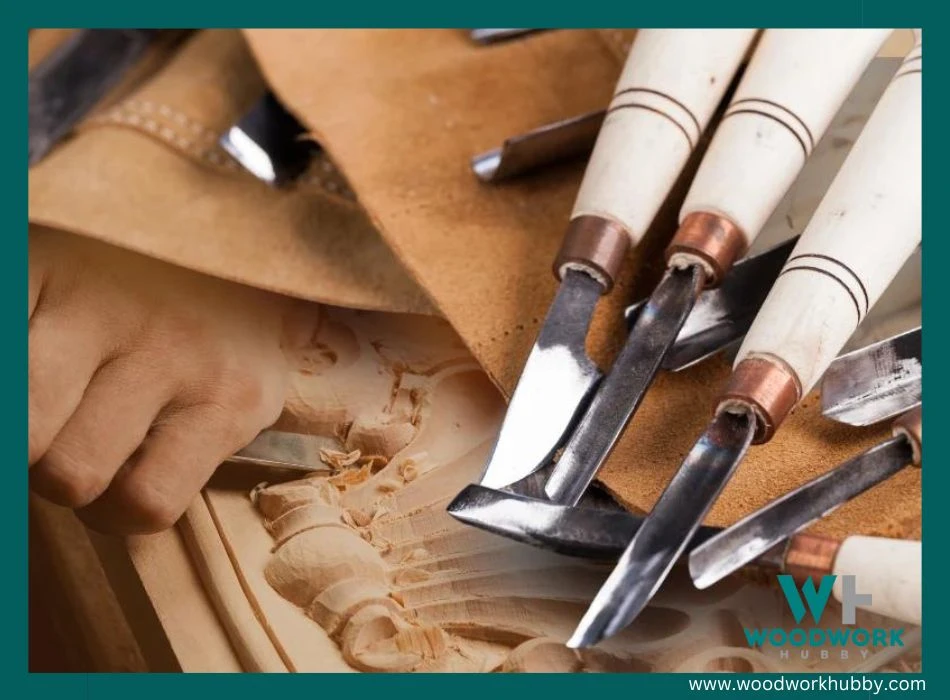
[(143, 377)]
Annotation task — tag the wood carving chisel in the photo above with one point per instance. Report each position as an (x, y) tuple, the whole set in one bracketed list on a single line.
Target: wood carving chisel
[(723, 314), (867, 225), (269, 142), (531, 519), (758, 532), (290, 451), (66, 85), (796, 82), (876, 382), (667, 93), (603, 534)]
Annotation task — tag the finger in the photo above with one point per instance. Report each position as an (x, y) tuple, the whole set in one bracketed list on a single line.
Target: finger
[(37, 277), (38, 264), (66, 346), (112, 420), (177, 458)]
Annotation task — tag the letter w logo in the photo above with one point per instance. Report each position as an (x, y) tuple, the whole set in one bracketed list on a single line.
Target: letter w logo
[(816, 599)]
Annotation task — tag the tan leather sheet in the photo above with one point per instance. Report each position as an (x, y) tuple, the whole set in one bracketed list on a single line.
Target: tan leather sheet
[(145, 172), (402, 111)]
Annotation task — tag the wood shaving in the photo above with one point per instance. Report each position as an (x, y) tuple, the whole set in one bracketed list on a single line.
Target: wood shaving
[(338, 460)]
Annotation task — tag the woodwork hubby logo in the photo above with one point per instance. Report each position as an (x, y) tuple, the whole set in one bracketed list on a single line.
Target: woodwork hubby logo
[(822, 641)]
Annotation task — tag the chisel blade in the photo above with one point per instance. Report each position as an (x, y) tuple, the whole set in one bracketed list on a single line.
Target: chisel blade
[(269, 142), (67, 84), (545, 145), (668, 529), (624, 388), (555, 386), (286, 451), (722, 315), (579, 531), (876, 382), (493, 36), (755, 534), (591, 533)]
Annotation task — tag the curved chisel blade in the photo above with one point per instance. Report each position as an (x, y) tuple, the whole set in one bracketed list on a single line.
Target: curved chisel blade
[(590, 533), (668, 529), (625, 386), (757, 533), (876, 382), (555, 385)]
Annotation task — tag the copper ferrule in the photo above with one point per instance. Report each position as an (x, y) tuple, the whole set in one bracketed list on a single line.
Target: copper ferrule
[(709, 239), (597, 246), (766, 385), (810, 555), (911, 426)]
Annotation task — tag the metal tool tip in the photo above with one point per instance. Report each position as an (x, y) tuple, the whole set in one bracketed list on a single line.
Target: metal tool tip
[(703, 577), (597, 624), (458, 505), (587, 635), (581, 639)]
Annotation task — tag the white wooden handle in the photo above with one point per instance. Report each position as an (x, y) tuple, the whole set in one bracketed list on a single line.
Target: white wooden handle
[(866, 226), (796, 82), (888, 569), (670, 86)]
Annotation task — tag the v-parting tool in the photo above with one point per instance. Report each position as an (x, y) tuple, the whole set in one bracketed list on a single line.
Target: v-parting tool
[(796, 82), (666, 95), (867, 225)]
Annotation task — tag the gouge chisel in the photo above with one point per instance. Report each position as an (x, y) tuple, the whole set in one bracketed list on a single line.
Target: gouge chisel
[(796, 82), (668, 90), (867, 225), (758, 532)]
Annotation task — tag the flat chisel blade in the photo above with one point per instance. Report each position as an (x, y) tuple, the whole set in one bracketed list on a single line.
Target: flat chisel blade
[(269, 142), (555, 385), (621, 392), (71, 80), (578, 531), (755, 534), (286, 451), (723, 315), (668, 529), (876, 382)]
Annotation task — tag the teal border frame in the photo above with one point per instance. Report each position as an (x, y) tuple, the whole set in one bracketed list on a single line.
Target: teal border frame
[(412, 13)]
